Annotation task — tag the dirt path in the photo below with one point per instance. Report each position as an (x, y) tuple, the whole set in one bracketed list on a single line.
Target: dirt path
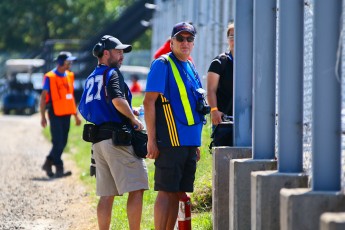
[(28, 199)]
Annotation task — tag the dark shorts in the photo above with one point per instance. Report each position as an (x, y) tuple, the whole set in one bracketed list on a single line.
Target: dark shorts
[(175, 169)]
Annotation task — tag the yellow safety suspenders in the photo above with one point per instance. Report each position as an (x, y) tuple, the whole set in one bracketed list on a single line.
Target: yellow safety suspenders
[(183, 92)]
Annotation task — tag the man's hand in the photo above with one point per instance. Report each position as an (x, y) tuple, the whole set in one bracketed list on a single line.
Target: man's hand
[(77, 120), (43, 122), (136, 124), (152, 150), (216, 117)]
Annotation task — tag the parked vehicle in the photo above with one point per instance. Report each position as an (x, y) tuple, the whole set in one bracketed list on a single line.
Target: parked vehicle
[(23, 86)]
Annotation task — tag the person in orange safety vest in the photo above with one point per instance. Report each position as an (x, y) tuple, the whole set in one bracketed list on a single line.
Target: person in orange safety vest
[(57, 98)]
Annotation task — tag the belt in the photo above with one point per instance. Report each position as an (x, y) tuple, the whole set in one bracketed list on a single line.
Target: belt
[(105, 130)]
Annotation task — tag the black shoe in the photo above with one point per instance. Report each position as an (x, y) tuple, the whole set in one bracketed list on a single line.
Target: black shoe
[(47, 166), (60, 172)]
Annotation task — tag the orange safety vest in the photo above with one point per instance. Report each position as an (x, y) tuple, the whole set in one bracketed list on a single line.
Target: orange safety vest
[(62, 93)]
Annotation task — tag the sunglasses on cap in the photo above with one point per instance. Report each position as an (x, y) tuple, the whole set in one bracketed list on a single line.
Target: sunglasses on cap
[(181, 38)]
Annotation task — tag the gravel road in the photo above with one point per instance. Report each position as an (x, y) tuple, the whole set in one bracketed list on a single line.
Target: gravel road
[(28, 199)]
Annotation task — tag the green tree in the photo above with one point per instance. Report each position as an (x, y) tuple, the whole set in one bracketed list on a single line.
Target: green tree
[(26, 24)]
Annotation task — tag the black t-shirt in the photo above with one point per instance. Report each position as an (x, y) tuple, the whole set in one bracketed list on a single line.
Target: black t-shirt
[(223, 65), (116, 87)]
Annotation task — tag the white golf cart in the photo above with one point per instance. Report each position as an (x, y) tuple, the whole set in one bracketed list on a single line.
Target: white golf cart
[(23, 86)]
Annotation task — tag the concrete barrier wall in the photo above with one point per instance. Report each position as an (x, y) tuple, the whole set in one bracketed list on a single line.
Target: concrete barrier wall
[(220, 182)]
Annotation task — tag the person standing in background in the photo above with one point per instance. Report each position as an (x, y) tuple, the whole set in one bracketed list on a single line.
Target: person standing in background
[(163, 49), (135, 87), (220, 81), (57, 98)]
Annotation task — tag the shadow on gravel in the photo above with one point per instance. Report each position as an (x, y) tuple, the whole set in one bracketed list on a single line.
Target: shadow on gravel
[(43, 178), (66, 174)]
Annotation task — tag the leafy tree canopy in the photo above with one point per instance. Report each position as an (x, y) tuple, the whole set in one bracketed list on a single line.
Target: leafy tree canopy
[(26, 24)]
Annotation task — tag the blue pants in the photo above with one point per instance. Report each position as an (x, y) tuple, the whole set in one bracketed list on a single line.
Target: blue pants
[(59, 128)]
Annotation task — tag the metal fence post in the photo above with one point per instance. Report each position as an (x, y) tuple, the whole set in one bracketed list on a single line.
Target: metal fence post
[(264, 79), (326, 128), (290, 86), (243, 68)]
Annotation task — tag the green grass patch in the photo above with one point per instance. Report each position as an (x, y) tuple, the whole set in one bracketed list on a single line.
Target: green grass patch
[(80, 152), (137, 100)]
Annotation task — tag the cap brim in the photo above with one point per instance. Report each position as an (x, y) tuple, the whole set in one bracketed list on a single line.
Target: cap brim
[(71, 58), (125, 48), (184, 31)]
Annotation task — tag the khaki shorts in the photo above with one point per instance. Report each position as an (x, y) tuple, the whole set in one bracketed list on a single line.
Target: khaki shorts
[(118, 170)]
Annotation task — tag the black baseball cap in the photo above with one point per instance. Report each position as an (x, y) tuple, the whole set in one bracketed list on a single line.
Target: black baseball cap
[(183, 27), (111, 42), (65, 56)]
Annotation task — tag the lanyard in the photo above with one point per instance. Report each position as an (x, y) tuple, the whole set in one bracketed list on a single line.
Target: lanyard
[(194, 80)]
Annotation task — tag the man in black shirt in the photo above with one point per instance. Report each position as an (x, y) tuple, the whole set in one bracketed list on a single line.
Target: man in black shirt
[(220, 93), (220, 82)]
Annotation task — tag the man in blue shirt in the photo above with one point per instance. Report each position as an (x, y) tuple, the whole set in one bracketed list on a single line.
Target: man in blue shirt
[(106, 102), (175, 111)]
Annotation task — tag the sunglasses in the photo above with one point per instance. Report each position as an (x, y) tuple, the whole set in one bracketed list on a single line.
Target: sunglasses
[(180, 38)]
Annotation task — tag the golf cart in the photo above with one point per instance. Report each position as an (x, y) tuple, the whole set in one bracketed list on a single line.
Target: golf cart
[(23, 86)]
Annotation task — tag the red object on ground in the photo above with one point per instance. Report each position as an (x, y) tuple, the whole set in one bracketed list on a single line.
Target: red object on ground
[(184, 217)]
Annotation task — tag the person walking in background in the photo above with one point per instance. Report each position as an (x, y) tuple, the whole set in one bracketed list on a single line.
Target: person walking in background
[(174, 115), (106, 102), (57, 98), (220, 81)]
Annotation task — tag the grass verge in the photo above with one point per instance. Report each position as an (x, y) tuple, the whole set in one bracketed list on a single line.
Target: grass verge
[(80, 152)]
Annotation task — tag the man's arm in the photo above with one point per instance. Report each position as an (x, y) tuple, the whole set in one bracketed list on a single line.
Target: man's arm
[(43, 105), (212, 86), (150, 119), (117, 95), (123, 107)]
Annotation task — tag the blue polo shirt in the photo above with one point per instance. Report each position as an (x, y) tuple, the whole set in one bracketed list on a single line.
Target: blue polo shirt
[(170, 115)]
